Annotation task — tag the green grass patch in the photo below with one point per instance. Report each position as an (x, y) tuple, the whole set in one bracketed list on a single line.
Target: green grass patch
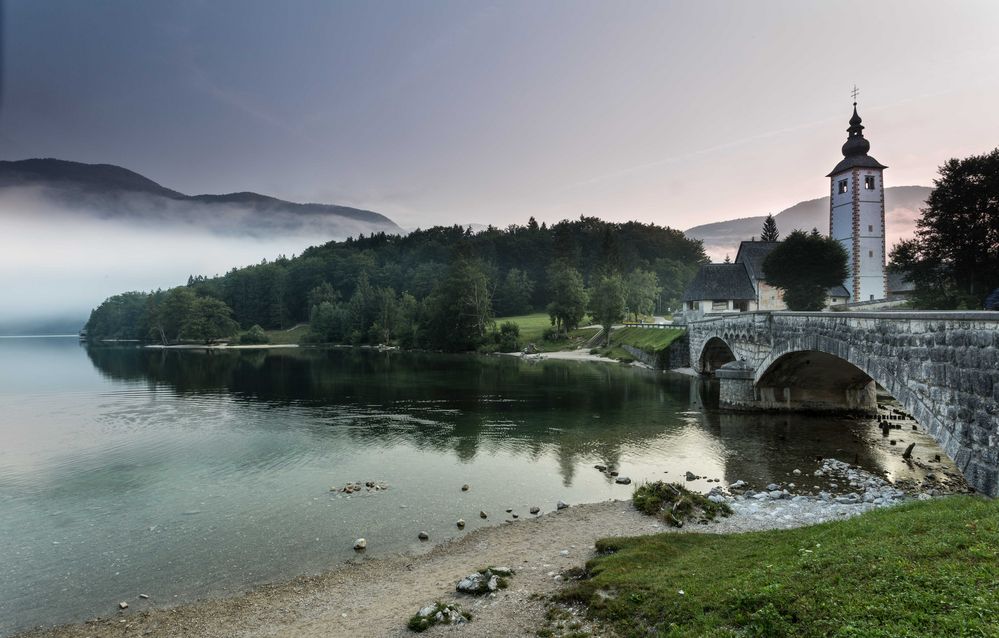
[(674, 504), (285, 337), (533, 328), (921, 569), (651, 340)]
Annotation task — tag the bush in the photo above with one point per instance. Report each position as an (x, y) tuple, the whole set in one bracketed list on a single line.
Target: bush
[(254, 336), (508, 337), (552, 334)]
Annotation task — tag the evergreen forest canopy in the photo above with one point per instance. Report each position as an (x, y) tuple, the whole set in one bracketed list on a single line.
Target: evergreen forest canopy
[(437, 288)]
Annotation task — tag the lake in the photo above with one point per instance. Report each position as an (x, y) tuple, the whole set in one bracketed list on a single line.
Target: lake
[(185, 474)]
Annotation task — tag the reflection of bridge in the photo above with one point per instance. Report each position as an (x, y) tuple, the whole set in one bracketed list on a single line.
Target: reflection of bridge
[(943, 367)]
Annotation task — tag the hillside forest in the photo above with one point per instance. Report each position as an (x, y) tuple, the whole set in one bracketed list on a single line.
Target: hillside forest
[(439, 288)]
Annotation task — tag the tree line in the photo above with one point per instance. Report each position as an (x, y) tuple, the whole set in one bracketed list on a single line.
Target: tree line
[(437, 288)]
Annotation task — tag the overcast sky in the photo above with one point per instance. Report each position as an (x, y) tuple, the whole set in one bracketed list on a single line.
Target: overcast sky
[(442, 112)]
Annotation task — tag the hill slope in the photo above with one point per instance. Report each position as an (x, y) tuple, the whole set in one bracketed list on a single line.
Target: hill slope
[(43, 186), (902, 204)]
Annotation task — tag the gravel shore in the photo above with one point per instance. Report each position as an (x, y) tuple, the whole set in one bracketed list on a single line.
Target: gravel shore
[(376, 597)]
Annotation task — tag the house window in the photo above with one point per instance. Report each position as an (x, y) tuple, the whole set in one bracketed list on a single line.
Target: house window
[(742, 306), (842, 186), (869, 182), (719, 305)]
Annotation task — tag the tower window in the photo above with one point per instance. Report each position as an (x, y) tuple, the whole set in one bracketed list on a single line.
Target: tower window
[(870, 228), (870, 253), (842, 186), (869, 182)]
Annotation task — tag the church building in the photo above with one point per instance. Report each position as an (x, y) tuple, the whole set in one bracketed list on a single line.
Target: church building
[(856, 221)]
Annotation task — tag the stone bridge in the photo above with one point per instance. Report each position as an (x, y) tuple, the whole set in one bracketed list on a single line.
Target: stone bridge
[(943, 367)]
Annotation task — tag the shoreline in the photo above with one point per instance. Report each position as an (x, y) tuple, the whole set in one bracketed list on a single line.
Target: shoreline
[(375, 597)]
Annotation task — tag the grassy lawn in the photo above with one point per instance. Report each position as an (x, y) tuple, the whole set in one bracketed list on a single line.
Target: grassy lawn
[(281, 337), (533, 326), (649, 339), (921, 569)]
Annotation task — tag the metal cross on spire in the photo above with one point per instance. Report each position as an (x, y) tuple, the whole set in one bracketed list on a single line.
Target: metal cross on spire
[(855, 92)]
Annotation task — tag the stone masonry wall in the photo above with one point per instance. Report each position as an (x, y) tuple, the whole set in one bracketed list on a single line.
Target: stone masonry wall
[(943, 367)]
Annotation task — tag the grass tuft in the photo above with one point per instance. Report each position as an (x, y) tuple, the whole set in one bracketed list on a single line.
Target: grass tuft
[(675, 504)]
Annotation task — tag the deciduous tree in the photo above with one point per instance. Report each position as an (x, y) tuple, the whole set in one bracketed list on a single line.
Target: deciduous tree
[(805, 266), (954, 258), (607, 301), (568, 297)]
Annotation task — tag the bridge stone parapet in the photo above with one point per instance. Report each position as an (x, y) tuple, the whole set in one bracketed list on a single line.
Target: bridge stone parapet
[(943, 367)]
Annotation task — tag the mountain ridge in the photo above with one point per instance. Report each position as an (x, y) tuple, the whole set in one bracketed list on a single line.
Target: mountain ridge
[(902, 204), (114, 191)]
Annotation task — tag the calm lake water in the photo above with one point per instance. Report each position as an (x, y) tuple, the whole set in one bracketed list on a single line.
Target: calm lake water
[(183, 474)]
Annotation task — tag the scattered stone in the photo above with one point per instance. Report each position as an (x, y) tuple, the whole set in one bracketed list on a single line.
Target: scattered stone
[(360, 544), (508, 511), (465, 488), (623, 480), (535, 510), (355, 487), (690, 476), (908, 451), (796, 472), (423, 536), (561, 505), (564, 552), (143, 596), (602, 468), (483, 514), (123, 605), (461, 523), (438, 614), (485, 581)]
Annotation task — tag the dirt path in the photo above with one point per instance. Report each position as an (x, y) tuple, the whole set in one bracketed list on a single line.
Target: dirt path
[(376, 597)]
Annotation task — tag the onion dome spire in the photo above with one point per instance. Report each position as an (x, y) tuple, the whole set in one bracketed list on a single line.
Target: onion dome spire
[(856, 147), (856, 144)]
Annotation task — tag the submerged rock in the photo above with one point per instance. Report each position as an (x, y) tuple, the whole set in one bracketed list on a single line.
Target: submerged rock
[(360, 544), (622, 480), (535, 510), (423, 536), (561, 505), (461, 523)]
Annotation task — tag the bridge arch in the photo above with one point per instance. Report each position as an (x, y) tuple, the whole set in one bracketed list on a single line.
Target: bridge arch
[(841, 374), (715, 353)]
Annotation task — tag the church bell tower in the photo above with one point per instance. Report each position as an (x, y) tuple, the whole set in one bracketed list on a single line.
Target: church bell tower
[(857, 215)]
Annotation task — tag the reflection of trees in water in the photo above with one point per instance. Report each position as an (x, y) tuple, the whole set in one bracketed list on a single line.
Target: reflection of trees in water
[(465, 405), (457, 404)]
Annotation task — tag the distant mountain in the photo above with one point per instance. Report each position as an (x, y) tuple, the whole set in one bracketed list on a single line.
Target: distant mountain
[(112, 192), (902, 206)]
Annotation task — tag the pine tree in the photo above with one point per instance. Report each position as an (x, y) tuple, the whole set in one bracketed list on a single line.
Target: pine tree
[(770, 232)]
